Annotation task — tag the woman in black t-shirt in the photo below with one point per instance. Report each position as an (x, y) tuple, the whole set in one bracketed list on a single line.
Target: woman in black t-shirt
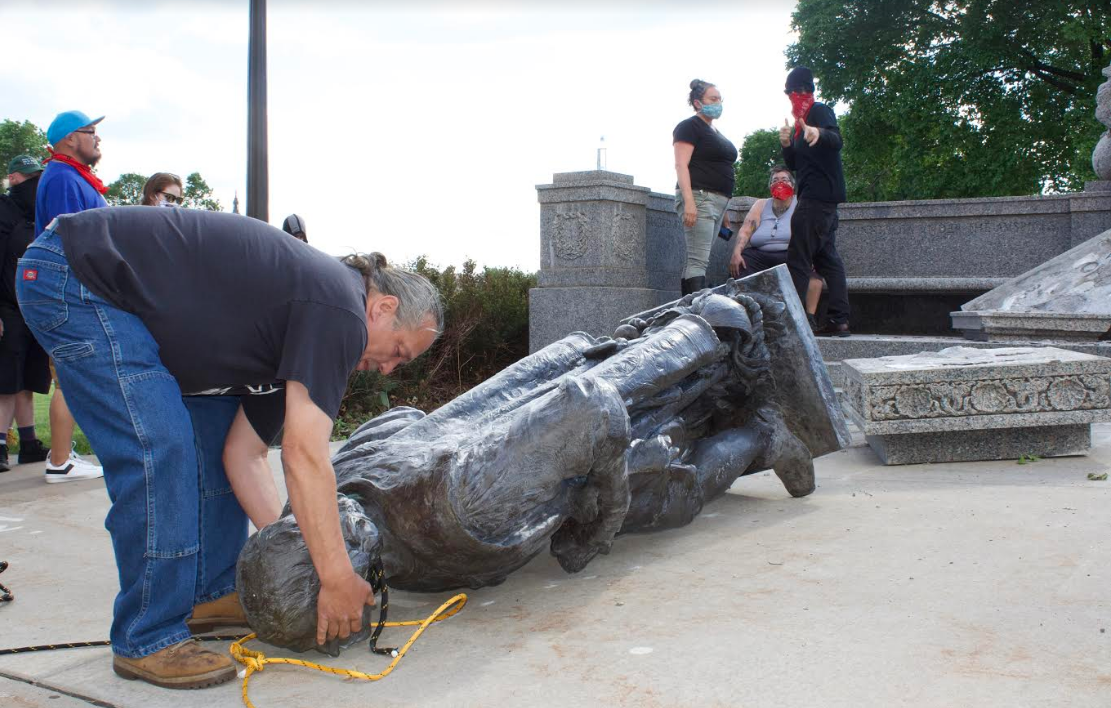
[(704, 166)]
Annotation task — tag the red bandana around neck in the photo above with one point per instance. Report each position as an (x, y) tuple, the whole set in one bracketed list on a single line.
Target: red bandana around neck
[(82, 170), (800, 106)]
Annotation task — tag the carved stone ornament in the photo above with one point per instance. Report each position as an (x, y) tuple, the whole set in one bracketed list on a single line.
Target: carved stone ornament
[(623, 234), (944, 400), (570, 230)]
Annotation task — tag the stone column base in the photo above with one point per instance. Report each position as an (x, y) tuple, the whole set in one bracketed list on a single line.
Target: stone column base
[(556, 312)]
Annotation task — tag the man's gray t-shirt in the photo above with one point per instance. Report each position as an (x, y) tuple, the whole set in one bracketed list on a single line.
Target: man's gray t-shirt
[(230, 300)]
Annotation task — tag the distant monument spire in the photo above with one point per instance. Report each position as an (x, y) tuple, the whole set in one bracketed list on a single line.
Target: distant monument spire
[(602, 153), (235, 203)]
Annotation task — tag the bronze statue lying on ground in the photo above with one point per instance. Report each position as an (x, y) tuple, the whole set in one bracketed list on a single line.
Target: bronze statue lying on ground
[(581, 441)]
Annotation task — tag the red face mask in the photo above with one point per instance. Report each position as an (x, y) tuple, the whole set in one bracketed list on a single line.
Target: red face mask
[(782, 191), (800, 106)]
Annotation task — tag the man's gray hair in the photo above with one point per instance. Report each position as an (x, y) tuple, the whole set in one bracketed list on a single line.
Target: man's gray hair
[(417, 298), (776, 170)]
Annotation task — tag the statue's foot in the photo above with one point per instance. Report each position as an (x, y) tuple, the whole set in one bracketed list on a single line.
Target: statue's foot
[(795, 467), (798, 479)]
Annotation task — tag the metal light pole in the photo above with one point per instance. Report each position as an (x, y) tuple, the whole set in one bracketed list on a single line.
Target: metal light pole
[(258, 181)]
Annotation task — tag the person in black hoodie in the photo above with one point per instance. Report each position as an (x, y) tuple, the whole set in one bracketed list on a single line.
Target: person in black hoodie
[(24, 366), (812, 149)]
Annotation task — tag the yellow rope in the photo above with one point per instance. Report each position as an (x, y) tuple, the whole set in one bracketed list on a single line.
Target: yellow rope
[(256, 660)]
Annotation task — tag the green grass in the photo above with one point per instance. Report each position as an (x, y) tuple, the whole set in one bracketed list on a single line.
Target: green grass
[(42, 427)]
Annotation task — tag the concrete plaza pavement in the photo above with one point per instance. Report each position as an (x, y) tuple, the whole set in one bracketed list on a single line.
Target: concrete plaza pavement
[(972, 584)]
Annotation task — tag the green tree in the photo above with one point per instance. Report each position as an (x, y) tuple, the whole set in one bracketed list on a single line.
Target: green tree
[(759, 153), (961, 98), (20, 139), (198, 195), (128, 189), (485, 330)]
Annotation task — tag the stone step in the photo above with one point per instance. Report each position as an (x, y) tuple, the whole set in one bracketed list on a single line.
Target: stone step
[(869, 346)]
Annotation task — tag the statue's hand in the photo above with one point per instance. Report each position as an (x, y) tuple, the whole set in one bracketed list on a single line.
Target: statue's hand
[(339, 607)]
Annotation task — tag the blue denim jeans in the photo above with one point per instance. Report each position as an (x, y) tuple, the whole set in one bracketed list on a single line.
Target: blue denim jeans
[(176, 526)]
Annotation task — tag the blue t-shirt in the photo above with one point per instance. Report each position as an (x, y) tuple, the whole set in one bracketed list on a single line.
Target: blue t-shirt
[(62, 190)]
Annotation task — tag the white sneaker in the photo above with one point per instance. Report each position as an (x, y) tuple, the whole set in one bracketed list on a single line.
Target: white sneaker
[(72, 469)]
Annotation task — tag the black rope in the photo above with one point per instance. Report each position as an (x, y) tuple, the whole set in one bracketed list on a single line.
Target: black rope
[(106, 643), (5, 594), (378, 585)]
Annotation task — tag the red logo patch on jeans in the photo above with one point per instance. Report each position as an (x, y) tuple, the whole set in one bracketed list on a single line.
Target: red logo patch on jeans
[(30, 274)]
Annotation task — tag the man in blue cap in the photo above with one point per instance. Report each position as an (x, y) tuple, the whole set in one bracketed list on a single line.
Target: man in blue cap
[(68, 186)]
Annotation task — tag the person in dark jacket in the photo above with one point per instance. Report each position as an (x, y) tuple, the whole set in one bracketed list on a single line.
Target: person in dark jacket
[(295, 227), (24, 367), (812, 149)]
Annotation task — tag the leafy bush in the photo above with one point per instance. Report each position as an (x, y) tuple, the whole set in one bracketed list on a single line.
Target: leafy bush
[(485, 330)]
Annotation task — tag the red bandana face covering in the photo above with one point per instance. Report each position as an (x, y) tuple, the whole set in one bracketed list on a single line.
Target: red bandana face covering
[(782, 191), (82, 170), (800, 106)]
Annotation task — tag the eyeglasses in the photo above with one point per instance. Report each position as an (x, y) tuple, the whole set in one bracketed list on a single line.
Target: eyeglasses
[(172, 197), (781, 180)]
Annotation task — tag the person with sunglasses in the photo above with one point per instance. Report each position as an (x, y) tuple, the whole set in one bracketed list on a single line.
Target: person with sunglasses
[(766, 232), (812, 149), (163, 189), (68, 186)]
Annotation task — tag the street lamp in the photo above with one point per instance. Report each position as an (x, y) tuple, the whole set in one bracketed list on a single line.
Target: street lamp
[(258, 183)]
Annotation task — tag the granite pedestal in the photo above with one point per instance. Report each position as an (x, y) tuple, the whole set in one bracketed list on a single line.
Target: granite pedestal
[(608, 247), (1067, 298), (963, 404)]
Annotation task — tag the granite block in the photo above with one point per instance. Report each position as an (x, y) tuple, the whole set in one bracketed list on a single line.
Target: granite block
[(962, 390), (1077, 281), (972, 445), (1002, 326), (921, 285), (597, 234), (556, 312), (979, 238), (589, 178), (949, 246), (666, 248), (869, 346)]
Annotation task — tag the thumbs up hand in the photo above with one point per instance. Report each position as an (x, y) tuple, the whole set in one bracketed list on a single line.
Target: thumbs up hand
[(785, 134), (809, 133)]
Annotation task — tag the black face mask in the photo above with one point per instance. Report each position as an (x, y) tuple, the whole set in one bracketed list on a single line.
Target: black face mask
[(23, 194)]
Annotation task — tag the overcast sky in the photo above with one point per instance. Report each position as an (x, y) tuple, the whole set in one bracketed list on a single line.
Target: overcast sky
[(412, 132)]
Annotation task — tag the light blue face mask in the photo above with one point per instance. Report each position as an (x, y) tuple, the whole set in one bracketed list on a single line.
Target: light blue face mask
[(712, 110)]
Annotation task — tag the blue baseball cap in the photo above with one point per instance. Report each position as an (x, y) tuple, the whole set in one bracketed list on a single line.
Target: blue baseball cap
[(66, 123)]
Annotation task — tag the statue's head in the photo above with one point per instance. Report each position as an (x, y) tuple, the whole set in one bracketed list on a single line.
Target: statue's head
[(278, 584)]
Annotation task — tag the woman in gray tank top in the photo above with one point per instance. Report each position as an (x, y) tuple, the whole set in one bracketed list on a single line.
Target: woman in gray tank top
[(766, 232)]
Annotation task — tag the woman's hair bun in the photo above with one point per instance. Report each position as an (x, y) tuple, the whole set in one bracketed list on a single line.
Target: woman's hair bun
[(696, 83), (379, 260)]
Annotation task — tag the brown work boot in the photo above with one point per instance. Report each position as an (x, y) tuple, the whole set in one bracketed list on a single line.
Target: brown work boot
[(184, 665), (223, 612)]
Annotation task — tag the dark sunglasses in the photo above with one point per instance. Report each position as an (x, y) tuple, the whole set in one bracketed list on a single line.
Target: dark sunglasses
[(172, 198)]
